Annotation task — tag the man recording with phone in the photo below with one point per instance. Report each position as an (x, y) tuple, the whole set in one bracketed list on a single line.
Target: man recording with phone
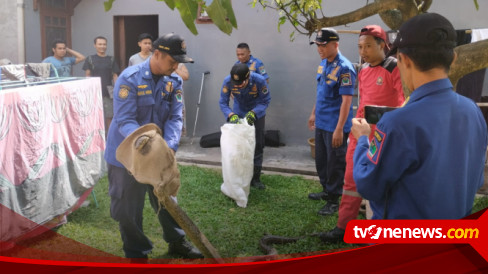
[(426, 159), (379, 84)]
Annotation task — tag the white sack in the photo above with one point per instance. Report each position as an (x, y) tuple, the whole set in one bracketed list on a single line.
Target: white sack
[(237, 144)]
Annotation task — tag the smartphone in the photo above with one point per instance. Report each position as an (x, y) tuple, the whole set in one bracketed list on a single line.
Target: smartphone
[(374, 113)]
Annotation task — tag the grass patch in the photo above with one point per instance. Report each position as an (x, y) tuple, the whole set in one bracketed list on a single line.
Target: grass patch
[(281, 209)]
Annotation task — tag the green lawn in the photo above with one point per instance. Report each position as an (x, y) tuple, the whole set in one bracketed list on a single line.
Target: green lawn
[(282, 209)]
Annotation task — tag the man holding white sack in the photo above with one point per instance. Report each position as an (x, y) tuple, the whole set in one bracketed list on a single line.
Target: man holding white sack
[(251, 99)]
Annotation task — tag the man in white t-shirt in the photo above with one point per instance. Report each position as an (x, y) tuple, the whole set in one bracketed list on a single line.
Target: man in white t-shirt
[(145, 43)]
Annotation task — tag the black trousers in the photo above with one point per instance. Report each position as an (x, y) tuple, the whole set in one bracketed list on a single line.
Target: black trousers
[(258, 151), (330, 162), (126, 206)]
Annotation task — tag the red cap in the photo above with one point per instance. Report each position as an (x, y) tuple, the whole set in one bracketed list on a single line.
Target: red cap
[(375, 31)]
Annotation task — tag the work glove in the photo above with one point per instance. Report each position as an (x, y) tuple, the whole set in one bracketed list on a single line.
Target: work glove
[(251, 117), (233, 119)]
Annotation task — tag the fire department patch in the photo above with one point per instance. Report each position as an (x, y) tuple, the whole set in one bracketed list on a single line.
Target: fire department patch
[(262, 70), (376, 145), (179, 96), (265, 90), (346, 79), (124, 91), (320, 70)]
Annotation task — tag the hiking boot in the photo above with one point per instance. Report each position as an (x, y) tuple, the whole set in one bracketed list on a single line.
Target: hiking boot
[(257, 184), (333, 236), (256, 181), (184, 249), (318, 196), (329, 208)]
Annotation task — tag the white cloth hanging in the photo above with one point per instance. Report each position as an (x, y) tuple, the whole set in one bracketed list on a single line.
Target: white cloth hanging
[(478, 35)]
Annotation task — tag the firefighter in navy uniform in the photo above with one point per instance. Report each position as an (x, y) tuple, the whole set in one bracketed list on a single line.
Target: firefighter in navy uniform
[(146, 93), (251, 99), (426, 159), (331, 118)]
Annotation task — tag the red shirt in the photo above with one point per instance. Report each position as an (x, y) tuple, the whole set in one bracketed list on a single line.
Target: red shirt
[(380, 85)]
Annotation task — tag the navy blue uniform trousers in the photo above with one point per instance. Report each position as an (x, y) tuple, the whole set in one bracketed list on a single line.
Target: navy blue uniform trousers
[(330, 162), (126, 206)]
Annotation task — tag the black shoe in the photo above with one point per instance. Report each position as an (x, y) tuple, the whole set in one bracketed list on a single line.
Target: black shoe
[(317, 196), (329, 209), (185, 249), (333, 236), (257, 184)]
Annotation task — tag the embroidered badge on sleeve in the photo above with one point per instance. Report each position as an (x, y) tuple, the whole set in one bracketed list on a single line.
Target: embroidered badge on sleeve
[(376, 145), (346, 79), (124, 91)]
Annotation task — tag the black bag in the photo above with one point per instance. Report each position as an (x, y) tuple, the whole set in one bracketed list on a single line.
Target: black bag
[(210, 140), (272, 138)]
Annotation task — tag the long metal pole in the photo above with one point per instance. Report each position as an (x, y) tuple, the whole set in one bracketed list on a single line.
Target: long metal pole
[(198, 104)]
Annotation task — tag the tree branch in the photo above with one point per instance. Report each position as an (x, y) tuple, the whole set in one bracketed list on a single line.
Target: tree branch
[(471, 57)]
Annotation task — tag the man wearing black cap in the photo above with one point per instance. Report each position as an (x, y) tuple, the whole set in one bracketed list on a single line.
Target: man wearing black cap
[(251, 98), (331, 118), (426, 159), (146, 93)]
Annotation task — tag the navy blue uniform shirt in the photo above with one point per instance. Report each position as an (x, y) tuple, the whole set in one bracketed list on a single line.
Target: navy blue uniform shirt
[(138, 100), (334, 79), (255, 96), (428, 157)]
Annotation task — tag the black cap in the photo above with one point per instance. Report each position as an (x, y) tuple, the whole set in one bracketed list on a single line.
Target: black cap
[(174, 45), (239, 73), (326, 35), (418, 31)]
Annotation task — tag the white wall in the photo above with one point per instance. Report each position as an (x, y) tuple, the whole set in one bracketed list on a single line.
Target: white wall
[(8, 30), (291, 65)]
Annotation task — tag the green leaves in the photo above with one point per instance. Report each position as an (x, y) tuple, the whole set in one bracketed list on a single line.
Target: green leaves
[(188, 12), (108, 4), (220, 11), (476, 4), (222, 14)]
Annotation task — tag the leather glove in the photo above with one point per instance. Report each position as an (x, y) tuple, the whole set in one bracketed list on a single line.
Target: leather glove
[(251, 117), (233, 119)]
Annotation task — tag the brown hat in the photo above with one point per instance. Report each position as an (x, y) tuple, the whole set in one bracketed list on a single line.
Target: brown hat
[(149, 159)]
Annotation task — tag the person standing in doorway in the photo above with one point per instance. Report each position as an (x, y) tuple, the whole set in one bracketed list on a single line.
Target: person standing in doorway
[(145, 41)]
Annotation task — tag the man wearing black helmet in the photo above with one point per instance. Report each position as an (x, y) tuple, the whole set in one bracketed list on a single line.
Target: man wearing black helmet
[(146, 93)]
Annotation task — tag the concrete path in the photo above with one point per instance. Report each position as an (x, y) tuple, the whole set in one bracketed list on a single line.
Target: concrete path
[(286, 160)]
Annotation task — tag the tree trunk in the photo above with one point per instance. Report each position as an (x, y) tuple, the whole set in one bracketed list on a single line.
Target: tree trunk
[(392, 12), (470, 57)]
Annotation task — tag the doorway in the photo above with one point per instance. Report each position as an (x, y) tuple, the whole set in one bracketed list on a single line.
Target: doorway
[(126, 32)]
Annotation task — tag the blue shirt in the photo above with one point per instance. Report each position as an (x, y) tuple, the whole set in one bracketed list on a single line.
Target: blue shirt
[(428, 157), (62, 66), (334, 79), (138, 100), (255, 96), (255, 65)]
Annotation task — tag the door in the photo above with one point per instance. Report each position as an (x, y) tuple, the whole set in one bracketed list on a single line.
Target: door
[(126, 32)]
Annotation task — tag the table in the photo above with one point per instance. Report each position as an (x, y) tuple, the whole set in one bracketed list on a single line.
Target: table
[(51, 152)]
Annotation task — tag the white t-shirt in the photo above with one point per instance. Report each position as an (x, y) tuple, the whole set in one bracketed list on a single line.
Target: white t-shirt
[(137, 59)]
